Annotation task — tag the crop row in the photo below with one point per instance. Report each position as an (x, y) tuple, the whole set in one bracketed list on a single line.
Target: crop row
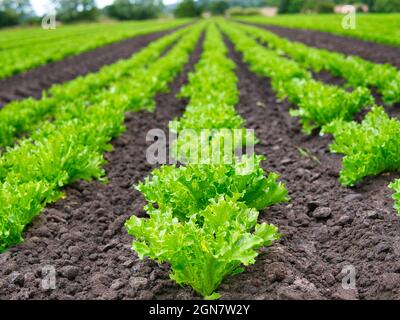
[(54, 45), (71, 147), (369, 148), (21, 117), (318, 103), (381, 28), (357, 71), (203, 215)]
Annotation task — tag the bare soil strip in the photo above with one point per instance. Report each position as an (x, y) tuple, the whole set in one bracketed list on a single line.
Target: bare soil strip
[(372, 51), (32, 83)]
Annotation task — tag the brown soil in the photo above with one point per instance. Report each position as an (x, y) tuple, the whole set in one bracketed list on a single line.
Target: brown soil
[(32, 83), (325, 226)]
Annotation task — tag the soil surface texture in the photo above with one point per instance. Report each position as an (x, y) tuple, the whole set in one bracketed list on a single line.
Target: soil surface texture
[(33, 82), (329, 232)]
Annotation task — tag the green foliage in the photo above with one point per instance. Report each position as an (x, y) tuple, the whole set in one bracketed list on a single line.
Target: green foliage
[(214, 80), (29, 48), (357, 71), (206, 248), (186, 190), (32, 173), (205, 225), (326, 6), (219, 7), (239, 11), (213, 92), (24, 116), (76, 10), (319, 104), (187, 8), (208, 117), (134, 9), (396, 187), (70, 148), (386, 6), (8, 18), (381, 28), (13, 12), (369, 148), (211, 146), (291, 6), (318, 6)]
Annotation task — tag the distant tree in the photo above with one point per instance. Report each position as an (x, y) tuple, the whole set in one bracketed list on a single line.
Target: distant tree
[(320, 6), (291, 6), (8, 18), (386, 6), (134, 9), (76, 10), (13, 12), (271, 3), (218, 7), (23, 8), (187, 8)]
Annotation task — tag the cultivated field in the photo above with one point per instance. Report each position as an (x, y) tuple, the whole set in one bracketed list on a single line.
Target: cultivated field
[(283, 178), (381, 28)]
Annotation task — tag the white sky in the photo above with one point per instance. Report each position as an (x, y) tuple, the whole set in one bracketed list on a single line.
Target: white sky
[(43, 6)]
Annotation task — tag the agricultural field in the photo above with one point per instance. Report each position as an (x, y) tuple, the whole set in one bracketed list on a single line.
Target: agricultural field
[(200, 159), (381, 28), (27, 48)]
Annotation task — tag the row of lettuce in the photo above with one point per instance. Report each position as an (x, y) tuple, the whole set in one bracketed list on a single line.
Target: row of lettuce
[(380, 28), (371, 147), (357, 72), (115, 81), (69, 146), (24, 50), (203, 213)]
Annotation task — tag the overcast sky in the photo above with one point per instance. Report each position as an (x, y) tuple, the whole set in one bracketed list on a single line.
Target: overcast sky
[(43, 6)]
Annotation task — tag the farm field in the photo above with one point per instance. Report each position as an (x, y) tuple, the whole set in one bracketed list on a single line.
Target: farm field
[(381, 28), (307, 191), (22, 50)]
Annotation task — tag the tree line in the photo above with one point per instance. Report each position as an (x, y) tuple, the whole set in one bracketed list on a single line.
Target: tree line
[(193, 8), (13, 12)]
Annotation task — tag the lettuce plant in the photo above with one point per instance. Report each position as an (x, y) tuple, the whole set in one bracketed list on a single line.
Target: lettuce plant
[(357, 71), (218, 146), (396, 187), (369, 148), (71, 147), (319, 104), (205, 248), (203, 216), (25, 116), (186, 190)]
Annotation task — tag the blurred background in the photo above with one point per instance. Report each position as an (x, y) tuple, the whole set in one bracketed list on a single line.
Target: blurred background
[(26, 12)]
